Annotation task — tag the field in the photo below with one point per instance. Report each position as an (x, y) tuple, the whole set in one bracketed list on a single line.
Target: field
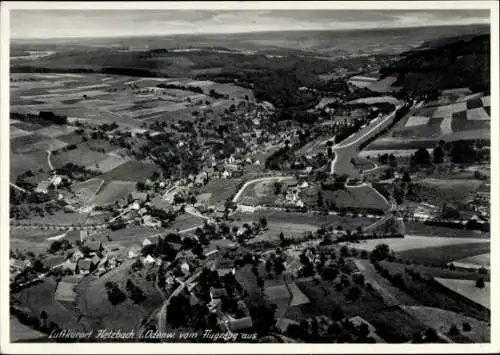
[(442, 320), (220, 189), (432, 272), (433, 191), (261, 192), (130, 171), (20, 163), (468, 289), (96, 309), (113, 191), (443, 252), (476, 261), (415, 228), (281, 217), (22, 333), (186, 221), (87, 189), (111, 98), (412, 244), (83, 156), (40, 298), (454, 118), (289, 230)]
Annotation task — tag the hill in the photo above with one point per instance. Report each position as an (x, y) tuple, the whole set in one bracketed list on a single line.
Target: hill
[(465, 62)]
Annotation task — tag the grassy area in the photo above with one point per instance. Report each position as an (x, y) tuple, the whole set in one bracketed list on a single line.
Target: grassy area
[(443, 254), (221, 189), (185, 221), (467, 289), (431, 272), (435, 191), (98, 310), (289, 230), (113, 191), (131, 171), (40, 298), (442, 320), (415, 228)]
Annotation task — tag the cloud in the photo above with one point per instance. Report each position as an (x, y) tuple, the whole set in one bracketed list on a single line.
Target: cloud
[(111, 23)]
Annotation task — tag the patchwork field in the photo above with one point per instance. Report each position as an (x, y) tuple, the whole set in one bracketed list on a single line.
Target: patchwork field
[(468, 289), (459, 117)]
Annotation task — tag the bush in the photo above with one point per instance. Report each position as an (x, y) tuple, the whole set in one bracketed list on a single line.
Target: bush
[(466, 327), (480, 283), (453, 330)]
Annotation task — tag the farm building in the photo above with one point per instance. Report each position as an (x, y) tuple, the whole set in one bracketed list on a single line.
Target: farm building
[(216, 293), (239, 324), (363, 81)]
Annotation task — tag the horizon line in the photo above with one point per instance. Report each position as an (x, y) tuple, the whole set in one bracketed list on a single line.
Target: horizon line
[(248, 32)]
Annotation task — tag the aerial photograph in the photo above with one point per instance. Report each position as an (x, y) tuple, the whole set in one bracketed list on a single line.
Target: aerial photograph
[(249, 176)]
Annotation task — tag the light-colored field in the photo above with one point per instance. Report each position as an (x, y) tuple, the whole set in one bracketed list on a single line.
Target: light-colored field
[(87, 189), (56, 131), (468, 289), (107, 164), (417, 121), (442, 320), (476, 261), (374, 100), (113, 191), (414, 242), (298, 297)]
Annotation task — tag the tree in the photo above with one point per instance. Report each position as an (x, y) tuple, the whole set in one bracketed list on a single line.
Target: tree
[(480, 283), (263, 222), (438, 154), (353, 294), (431, 336), (466, 327), (453, 330), (421, 157), (406, 177), (381, 252), (337, 314)]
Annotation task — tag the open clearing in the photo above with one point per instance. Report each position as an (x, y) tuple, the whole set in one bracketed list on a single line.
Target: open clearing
[(113, 191), (131, 171), (87, 189), (468, 289), (444, 253), (442, 320), (289, 230), (415, 242), (476, 261)]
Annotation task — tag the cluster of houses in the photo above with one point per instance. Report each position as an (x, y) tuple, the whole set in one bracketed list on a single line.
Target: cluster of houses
[(229, 322)]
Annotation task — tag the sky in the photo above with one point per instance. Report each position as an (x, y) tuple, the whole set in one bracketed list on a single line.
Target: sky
[(116, 23)]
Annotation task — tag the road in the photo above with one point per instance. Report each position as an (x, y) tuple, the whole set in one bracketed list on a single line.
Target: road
[(17, 187), (348, 149), (49, 153)]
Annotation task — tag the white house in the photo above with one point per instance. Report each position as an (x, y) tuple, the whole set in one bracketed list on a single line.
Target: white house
[(149, 260), (185, 268), (146, 242)]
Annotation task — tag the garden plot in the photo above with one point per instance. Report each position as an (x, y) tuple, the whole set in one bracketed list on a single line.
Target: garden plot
[(414, 242), (468, 289)]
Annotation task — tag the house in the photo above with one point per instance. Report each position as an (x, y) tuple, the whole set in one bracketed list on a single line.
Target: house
[(247, 208), (223, 272), (149, 221), (17, 265), (211, 253), (146, 242), (54, 262), (215, 305), (226, 174), (42, 187), (185, 268), (70, 265), (148, 260), (94, 246), (77, 254), (216, 293), (85, 266), (134, 251)]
